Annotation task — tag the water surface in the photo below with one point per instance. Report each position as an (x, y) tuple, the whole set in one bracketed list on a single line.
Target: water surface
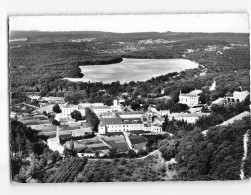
[(133, 70)]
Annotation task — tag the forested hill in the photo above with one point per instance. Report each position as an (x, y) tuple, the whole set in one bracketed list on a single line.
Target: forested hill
[(216, 156), (41, 67), (65, 36)]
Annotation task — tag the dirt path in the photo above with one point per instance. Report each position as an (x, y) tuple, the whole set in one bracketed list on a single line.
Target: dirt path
[(245, 146), (152, 153)]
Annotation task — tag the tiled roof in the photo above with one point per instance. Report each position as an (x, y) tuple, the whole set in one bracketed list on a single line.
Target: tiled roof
[(53, 98), (133, 118), (34, 97), (88, 129), (130, 113), (109, 121), (70, 106), (107, 114), (101, 107), (229, 94), (86, 150), (132, 122), (188, 95), (196, 91)]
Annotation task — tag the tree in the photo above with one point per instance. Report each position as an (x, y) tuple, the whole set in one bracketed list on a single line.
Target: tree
[(132, 154), (55, 123), (113, 153), (44, 90), (76, 115), (72, 151), (135, 105), (56, 109), (67, 152), (91, 119), (203, 98), (142, 152), (165, 124), (96, 154), (38, 148)]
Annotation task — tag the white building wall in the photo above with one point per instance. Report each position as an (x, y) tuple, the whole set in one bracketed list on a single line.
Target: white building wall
[(187, 119), (124, 116), (80, 155), (127, 127), (54, 145), (240, 95), (100, 111), (190, 101)]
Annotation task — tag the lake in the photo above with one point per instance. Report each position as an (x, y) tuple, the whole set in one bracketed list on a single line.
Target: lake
[(133, 70)]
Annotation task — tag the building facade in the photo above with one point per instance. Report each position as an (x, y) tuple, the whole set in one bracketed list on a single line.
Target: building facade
[(108, 125), (189, 99), (67, 110), (54, 143), (188, 117), (240, 95)]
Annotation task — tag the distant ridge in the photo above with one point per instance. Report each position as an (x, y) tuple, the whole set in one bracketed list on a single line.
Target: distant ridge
[(35, 36)]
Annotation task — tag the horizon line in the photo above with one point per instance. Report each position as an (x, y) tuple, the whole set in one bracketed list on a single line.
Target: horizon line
[(130, 32)]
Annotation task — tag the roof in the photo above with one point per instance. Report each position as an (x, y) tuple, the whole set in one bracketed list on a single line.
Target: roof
[(87, 129), (109, 121), (164, 111), (229, 94), (134, 118), (196, 91), (164, 97), (34, 96), (101, 107), (188, 95), (70, 106), (106, 114), (53, 98), (130, 113), (160, 119), (86, 151), (30, 122), (128, 121), (218, 100), (158, 122)]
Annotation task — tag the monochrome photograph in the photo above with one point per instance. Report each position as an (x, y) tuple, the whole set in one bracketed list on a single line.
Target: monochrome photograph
[(129, 98)]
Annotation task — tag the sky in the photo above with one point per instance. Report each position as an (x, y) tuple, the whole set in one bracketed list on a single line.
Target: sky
[(134, 23)]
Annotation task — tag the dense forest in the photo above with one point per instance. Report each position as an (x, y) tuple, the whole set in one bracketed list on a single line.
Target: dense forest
[(216, 156)]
